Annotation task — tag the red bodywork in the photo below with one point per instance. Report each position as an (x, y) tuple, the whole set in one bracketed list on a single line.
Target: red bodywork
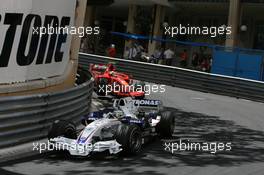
[(109, 73)]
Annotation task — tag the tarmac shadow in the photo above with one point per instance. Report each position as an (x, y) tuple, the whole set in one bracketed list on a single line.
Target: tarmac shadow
[(247, 147)]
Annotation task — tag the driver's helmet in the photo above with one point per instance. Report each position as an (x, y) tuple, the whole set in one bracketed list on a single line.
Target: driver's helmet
[(111, 67), (118, 114)]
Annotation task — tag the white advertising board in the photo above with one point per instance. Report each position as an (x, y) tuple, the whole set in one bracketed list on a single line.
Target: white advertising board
[(26, 55)]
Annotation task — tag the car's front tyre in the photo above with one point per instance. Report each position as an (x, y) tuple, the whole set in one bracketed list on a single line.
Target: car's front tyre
[(130, 137), (62, 128)]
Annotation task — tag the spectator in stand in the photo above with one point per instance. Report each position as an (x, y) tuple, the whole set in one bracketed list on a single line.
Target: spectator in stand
[(132, 53), (210, 63), (111, 51), (168, 54), (139, 47), (184, 58), (126, 53), (139, 50), (205, 65), (195, 60), (201, 59), (161, 56), (156, 55)]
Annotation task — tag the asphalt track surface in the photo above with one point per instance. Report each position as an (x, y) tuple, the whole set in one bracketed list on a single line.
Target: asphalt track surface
[(200, 117)]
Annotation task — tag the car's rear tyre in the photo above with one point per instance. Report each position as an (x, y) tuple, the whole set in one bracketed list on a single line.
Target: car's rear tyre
[(62, 128), (130, 137), (166, 125)]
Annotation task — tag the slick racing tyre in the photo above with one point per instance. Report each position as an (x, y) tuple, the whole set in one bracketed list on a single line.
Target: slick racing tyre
[(166, 125), (130, 137), (102, 85), (62, 128)]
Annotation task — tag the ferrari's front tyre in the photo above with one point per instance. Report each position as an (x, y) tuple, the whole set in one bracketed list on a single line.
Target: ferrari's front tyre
[(166, 125), (62, 128), (130, 138)]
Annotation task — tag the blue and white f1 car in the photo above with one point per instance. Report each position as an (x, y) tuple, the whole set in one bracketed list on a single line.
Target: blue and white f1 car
[(124, 127)]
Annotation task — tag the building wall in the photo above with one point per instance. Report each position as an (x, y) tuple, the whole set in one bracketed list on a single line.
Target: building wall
[(206, 12)]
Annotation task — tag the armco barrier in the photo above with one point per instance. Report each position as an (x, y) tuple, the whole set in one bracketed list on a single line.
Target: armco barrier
[(28, 118), (178, 77)]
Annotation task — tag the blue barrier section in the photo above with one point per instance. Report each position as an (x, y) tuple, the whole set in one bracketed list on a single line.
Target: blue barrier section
[(224, 63), (243, 63), (249, 66)]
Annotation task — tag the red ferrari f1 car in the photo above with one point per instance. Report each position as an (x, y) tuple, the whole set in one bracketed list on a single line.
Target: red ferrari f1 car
[(110, 82)]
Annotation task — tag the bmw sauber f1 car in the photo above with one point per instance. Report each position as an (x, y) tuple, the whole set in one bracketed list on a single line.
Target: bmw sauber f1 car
[(110, 82), (121, 128)]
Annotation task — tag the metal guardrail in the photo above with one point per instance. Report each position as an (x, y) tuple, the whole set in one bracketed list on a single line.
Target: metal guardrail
[(184, 78), (28, 118)]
